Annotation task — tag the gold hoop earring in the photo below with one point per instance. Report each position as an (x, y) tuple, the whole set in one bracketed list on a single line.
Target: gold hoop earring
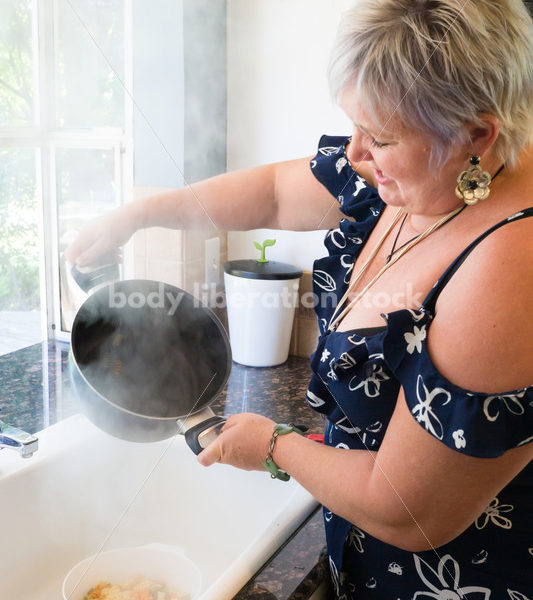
[(473, 184)]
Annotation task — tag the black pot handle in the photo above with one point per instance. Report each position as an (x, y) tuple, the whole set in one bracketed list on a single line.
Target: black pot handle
[(200, 436)]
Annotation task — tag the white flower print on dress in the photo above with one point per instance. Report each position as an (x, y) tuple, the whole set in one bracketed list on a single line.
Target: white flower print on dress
[(526, 441), (375, 427), (514, 595), (493, 514), (314, 400), (395, 568), (443, 584), (331, 373), (372, 383), (511, 402), (342, 446), (347, 263), (334, 575), (414, 340), (329, 150), (423, 411), (355, 538), (340, 164), (459, 438), (337, 237), (355, 240), (325, 355), (417, 315), (371, 583), (324, 281), (368, 441), (356, 340), (346, 361), (349, 427), (480, 557), (360, 184)]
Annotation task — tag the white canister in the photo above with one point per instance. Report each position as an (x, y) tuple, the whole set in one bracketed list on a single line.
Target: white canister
[(261, 299)]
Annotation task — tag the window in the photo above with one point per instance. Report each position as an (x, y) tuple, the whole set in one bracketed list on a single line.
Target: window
[(65, 149)]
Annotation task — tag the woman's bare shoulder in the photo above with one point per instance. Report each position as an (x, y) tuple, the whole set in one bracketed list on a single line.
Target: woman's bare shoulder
[(482, 336)]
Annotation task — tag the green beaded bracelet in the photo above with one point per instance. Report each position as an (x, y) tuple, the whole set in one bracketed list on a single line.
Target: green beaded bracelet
[(269, 464)]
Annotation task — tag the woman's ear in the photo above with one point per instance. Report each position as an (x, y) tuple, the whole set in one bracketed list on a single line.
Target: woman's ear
[(484, 134)]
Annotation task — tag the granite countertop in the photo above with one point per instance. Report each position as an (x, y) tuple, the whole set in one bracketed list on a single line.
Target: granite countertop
[(37, 392)]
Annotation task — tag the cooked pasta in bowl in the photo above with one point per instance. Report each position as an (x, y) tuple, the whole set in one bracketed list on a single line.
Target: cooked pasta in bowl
[(152, 572), (139, 588)]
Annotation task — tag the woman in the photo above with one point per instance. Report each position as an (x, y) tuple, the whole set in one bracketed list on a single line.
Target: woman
[(425, 474)]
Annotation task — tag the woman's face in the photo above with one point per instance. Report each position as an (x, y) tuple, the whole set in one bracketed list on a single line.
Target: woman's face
[(399, 158)]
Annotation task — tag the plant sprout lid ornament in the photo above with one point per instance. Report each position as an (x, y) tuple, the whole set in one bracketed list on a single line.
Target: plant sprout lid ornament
[(262, 247), (262, 268)]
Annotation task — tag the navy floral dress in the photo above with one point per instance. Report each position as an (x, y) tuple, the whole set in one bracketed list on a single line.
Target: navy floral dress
[(356, 380)]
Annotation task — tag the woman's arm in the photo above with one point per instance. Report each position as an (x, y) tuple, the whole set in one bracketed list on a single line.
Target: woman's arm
[(283, 195), (415, 492)]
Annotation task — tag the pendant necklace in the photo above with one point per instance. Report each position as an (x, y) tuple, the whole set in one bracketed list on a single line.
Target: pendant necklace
[(394, 249), (345, 305)]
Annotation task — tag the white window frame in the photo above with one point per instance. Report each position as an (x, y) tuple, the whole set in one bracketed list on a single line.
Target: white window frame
[(46, 139)]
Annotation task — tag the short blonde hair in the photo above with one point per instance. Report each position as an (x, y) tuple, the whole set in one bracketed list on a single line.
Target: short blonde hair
[(439, 64)]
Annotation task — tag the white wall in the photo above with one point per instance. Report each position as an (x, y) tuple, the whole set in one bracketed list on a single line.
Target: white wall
[(158, 64), (278, 99)]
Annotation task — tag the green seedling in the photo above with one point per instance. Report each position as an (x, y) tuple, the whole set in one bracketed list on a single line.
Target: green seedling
[(262, 249)]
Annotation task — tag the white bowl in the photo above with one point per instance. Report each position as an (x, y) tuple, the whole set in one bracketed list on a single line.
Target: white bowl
[(157, 562)]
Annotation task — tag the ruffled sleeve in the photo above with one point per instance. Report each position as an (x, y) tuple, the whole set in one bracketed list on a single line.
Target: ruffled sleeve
[(319, 397), (359, 201), (473, 423), (331, 167)]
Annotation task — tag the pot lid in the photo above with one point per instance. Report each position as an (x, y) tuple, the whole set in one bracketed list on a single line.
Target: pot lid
[(253, 269)]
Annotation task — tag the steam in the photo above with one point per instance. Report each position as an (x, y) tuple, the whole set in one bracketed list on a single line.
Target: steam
[(145, 356)]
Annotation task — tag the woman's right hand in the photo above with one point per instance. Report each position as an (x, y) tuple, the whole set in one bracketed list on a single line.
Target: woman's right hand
[(101, 236)]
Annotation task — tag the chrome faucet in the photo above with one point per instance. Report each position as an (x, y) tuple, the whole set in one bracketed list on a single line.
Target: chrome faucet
[(16, 439)]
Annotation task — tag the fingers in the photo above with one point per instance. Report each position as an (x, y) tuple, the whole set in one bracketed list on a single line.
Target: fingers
[(97, 238), (97, 252), (242, 443), (213, 453), (231, 421), (210, 455), (100, 237), (81, 251), (72, 252), (91, 255)]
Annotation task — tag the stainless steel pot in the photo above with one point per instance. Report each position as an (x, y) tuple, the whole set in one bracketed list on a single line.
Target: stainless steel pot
[(146, 360)]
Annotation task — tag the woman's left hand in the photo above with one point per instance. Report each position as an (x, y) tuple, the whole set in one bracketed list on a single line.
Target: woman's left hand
[(242, 443)]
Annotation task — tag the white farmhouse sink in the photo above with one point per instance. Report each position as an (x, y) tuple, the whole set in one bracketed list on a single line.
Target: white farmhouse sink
[(84, 491)]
